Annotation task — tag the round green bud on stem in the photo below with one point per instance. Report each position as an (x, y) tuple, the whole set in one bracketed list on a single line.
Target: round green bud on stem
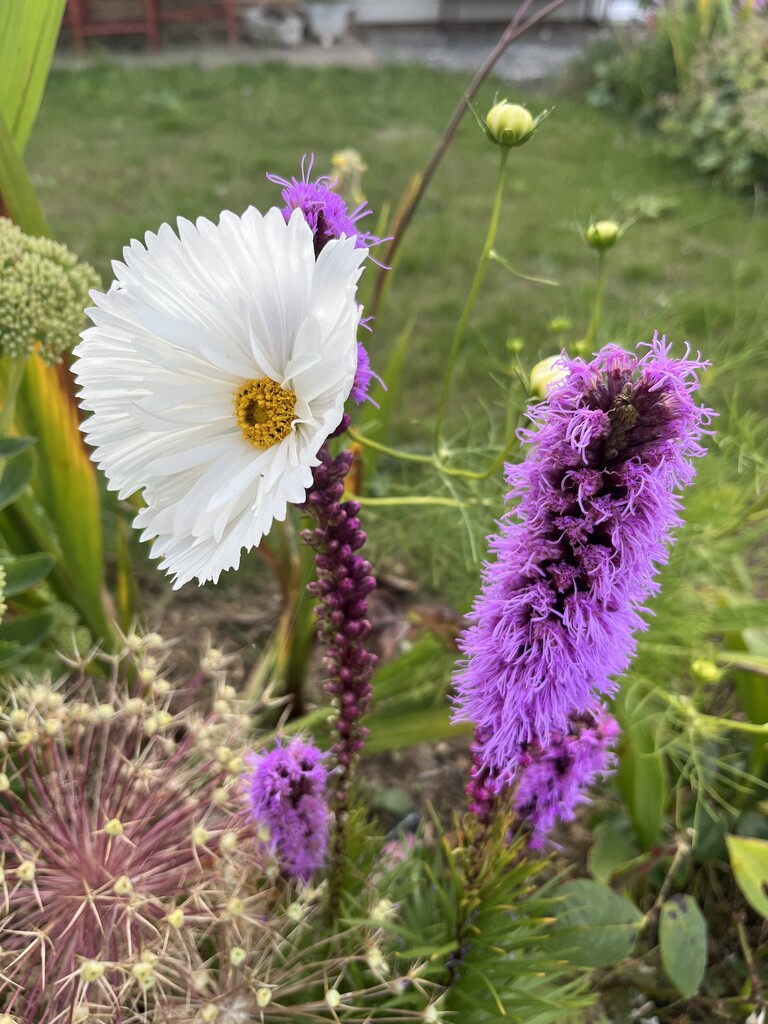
[(603, 234), (509, 123)]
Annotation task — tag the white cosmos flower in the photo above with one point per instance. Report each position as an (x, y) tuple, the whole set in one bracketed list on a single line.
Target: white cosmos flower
[(219, 362)]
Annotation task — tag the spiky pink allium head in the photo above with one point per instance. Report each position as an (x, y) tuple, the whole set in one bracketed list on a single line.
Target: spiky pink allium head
[(109, 815)]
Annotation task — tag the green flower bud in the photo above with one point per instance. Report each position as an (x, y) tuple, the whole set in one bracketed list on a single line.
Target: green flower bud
[(544, 374), (705, 670), (603, 234), (43, 290), (509, 124)]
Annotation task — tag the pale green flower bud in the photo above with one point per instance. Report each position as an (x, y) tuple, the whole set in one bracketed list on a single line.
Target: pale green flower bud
[(91, 970), (603, 234), (263, 996), (43, 290), (509, 124), (545, 374), (333, 998), (705, 670)]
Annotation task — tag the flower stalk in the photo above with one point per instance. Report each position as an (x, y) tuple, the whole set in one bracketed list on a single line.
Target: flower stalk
[(343, 583)]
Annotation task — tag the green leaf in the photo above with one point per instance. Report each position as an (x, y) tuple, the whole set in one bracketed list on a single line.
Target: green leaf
[(595, 926), (27, 570), (744, 615), (641, 775), (10, 446), (16, 188), (431, 724), (683, 943), (66, 487), (749, 860), (15, 477), (11, 654), (613, 847), (27, 630), (28, 34)]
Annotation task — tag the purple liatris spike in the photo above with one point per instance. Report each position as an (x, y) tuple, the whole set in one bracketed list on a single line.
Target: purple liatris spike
[(574, 562), (554, 778), (343, 584), (286, 792), (325, 210)]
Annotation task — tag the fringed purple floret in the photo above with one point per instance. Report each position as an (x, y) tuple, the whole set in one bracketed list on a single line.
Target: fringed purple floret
[(575, 561), (344, 581), (554, 779), (286, 792), (325, 211)]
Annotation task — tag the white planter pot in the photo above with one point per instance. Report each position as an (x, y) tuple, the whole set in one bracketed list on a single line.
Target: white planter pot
[(328, 21)]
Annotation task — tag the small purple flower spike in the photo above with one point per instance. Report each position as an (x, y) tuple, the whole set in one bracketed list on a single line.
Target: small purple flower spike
[(325, 210), (286, 792), (553, 783), (575, 561)]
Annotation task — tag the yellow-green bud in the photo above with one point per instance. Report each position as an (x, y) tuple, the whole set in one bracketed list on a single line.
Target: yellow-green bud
[(235, 907), (294, 912), (544, 374), (18, 718), (5, 783), (228, 841), (123, 885), (333, 998), (209, 1013), (560, 324), (26, 871), (236, 955), (263, 996), (176, 918), (91, 970), (603, 234), (144, 973), (431, 1015), (200, 835), (384, 910), (6, 1018), (114, 827), (705, 670), (509, 123), (219, 796)]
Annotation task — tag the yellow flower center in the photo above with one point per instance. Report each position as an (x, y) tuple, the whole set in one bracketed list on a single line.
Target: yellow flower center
[(264, 411)]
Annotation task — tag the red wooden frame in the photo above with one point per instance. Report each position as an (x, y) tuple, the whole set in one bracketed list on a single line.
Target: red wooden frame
[(78, 18)]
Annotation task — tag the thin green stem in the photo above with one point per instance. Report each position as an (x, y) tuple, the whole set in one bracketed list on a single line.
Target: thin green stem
[(395, 453), (414, 499), (597, 308), (474, 291), (14, 377), (434, 459)]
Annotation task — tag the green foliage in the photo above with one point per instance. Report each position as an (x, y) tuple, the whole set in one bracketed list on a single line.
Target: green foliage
[(595, 926), (749, 860), (683, 943), (630, 74), (473, 906), (719, 120)]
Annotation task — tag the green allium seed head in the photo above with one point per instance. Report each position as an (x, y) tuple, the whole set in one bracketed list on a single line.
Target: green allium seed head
[(43, 290)]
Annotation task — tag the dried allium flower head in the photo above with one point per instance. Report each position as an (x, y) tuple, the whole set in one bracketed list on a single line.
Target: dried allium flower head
[(575, 561), (112, 814), (286, 792), (43, 290), (554, 779)]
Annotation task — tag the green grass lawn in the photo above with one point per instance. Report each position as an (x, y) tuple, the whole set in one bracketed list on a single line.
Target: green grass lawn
[(116, 151)]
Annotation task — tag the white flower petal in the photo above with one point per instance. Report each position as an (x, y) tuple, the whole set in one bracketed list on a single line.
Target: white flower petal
[(190, 318)]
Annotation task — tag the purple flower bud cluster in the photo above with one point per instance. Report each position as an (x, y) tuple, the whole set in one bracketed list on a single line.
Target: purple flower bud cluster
[(575, 561), (286, 792), (343, 582), (327, 216), (325, 211), (553, 778)]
